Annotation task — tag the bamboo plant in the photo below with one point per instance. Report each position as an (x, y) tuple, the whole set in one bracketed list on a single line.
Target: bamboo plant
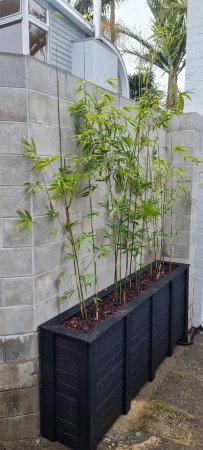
[(120, 161)]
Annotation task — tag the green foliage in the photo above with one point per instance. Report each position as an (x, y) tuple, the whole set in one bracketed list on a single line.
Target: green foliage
[(25, 221), (121, 159), (33, 187), (138, 83), (166, 47), (65, 296)]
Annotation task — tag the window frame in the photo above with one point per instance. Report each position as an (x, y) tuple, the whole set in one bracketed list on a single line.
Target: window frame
[(9, 25), (25, 18), (38, 23), (12, 17)]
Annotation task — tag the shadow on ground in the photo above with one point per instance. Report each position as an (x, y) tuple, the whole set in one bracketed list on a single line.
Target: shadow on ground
[(167, 414)]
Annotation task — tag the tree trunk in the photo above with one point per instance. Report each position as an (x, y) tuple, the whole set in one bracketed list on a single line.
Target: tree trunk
[(112, 22), (172, 89)]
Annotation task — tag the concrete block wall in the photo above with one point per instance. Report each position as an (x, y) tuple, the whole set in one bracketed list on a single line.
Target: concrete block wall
[(34, 99), (186, 131), (19, 355)]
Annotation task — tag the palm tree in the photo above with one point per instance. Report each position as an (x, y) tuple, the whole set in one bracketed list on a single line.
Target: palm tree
[(180, 5), (166, 49), (86, 7)]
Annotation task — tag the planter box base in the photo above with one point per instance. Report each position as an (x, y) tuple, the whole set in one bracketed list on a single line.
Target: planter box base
[(89, 379)]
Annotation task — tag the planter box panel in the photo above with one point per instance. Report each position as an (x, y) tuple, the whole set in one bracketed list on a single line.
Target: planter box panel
[(66, 365), (109, 376), (107, 389), (180, 306), (105, 342), (70, 373), (70, 343), (162, 352), (66, 439), (64, 378), (106, 421), (66, 390), (89, 379), (66, 402), (141, 349), (66, 427), (109, 401), (161, 304), (65, 414), (139, 346), (109, 355), (161, 325), (140, 319), (72, 355), (108, 371), (139, 377)]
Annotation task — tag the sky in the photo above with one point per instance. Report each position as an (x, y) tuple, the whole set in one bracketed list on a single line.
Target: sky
[(136, 14)]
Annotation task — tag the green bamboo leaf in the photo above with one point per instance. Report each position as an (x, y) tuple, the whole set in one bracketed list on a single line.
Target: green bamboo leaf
[(25, 221), (53, 233), (62, 298), (33, 187)]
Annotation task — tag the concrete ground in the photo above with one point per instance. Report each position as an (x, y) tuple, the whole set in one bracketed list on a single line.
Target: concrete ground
[(167, 414)]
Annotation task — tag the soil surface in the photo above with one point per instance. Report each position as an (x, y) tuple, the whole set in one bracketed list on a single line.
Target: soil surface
[(108, 305), (166, 414)]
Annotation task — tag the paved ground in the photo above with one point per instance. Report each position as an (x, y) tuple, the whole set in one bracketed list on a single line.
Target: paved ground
[(167, 414)]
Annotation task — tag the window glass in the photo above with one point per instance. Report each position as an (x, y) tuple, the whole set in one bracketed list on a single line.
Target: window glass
[(37, 11), (11, 38), (9, 7), (38, 42)]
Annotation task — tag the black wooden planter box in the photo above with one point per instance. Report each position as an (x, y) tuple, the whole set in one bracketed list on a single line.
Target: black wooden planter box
[(89, 379)]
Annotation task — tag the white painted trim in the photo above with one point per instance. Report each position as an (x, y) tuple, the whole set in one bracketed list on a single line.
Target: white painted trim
[(38, 23), (123, 72), (10, 19), (11, 16), (25, 29), (48, 37), (97, 18)]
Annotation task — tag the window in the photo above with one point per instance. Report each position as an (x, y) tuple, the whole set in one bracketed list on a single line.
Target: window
[(11, 38), (38, 30), (38, 42), (9, 7), (37, 11)]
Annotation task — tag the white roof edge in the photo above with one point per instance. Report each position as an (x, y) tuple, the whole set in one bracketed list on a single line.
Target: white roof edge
[(70, 12), (125, 74), (77, 18)]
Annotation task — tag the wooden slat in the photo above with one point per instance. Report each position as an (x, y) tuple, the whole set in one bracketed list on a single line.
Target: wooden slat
[(68, 391), (66, 365), (66, 439), (66, 402), (67, 427), (107, 368), (65, 414), (65, 378)]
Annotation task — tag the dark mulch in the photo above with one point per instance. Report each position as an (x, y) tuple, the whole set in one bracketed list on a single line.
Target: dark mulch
[(108, 305)]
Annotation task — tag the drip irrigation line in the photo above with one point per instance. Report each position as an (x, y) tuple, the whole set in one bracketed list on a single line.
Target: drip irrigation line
[(194, 331)]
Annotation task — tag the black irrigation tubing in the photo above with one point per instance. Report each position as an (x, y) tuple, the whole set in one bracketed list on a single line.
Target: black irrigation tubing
[(193, 332)]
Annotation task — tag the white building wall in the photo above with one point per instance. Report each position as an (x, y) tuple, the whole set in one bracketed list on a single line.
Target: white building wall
[(194, 56), (194, 84)]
